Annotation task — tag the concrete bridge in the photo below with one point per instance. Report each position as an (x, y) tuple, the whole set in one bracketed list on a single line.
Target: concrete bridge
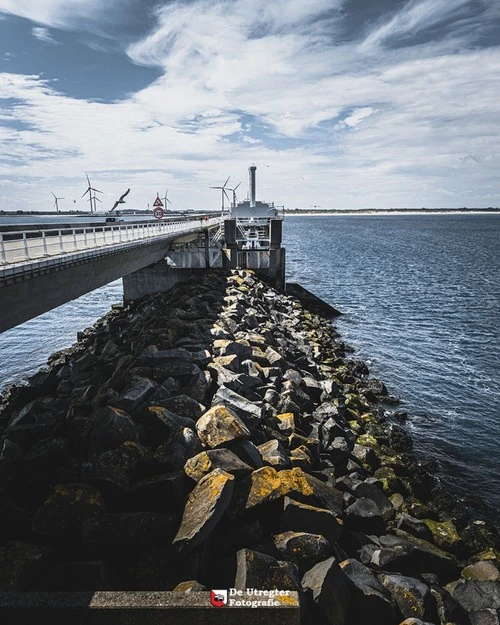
[(41, 269)]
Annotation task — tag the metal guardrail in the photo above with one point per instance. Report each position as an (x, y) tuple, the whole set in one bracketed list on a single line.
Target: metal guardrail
[(24, 246)]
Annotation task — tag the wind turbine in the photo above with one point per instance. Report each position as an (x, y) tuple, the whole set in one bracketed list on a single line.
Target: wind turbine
[(223, 192), (92, 198), (120, 201), (234, 193), (56, 199), (165, 199)]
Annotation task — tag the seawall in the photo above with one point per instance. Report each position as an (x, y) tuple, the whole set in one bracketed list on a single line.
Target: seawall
[(220, 436)]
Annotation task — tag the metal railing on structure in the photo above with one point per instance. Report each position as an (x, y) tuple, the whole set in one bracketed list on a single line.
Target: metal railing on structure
[(24, 246)]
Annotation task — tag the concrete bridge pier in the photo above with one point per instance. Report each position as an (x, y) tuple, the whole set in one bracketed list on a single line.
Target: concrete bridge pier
[(194, 255)]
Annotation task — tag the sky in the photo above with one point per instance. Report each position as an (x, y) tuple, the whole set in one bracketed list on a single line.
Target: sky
[(339, 103)]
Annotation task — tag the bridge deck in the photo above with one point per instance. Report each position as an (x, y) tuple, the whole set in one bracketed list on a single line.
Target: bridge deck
[(40, 270), (24, 246)]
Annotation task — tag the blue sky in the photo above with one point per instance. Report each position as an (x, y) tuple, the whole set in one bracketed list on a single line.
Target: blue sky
[(340, 103)]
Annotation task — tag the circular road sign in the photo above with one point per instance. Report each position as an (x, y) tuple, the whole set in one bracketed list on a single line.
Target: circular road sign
[(158, 213)]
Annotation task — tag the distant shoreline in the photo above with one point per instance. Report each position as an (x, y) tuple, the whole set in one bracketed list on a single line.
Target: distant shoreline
[(401, 211)]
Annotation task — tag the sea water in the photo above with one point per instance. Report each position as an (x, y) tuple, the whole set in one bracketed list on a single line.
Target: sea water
[(420, 297)]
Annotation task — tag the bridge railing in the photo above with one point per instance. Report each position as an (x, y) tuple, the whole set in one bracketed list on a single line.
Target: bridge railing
[(23, 246)]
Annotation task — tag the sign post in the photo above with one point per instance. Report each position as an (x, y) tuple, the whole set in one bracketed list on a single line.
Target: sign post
[(158, 208)]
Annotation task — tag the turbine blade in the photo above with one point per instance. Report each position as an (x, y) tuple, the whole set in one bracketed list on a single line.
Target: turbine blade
[(86, 192), (88, 179), (237, 186), (226, 182)]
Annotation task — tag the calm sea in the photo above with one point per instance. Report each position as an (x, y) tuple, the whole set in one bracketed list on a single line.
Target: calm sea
[(421, 301)]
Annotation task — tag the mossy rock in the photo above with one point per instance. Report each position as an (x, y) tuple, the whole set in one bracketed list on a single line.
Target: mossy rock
[(367, 440), (355, 426), (444, 534), (388, 479)]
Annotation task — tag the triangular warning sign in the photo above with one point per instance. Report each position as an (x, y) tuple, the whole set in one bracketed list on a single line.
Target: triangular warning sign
[(158, 203)]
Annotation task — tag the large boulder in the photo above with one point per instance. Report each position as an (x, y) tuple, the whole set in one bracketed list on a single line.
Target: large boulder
[(204, 509), (326, 586), (111, 428), (251, 413), (412, 596), (301, 517), (267, 484), (303, 548), (258, 570), (475, 596), (220, 425), (274, 454), (198, 466), (370, 601)]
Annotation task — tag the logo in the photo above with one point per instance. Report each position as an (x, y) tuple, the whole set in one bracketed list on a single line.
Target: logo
[(218, 598)]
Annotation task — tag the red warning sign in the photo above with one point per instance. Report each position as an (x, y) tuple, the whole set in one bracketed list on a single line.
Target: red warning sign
[(158, 203), (158, 213)]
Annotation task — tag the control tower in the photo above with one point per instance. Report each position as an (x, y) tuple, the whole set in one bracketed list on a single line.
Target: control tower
[(253, 235)]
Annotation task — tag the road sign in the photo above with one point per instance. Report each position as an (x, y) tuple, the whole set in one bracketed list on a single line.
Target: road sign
[(158, 203), (158, 213)]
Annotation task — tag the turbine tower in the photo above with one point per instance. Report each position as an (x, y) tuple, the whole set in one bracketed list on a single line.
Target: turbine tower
[(56, 201), (165, 199), (92, 196), (223, 192), (234, 193)]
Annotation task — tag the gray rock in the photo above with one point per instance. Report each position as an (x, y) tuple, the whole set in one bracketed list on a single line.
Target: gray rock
[(303, 548), (111, 428), (258, 570), (409, 555), (482, 571), (301, 517), (248, 453), (184, 406), (220, 425), (413, 597), (448, 610), (204, 509), (274, 454), (376, 494), (248, 411), (175, 451), (475, 596), (327, 586), (365, 515), (370, 602), (201, 464), (136, 393), (485, 617)]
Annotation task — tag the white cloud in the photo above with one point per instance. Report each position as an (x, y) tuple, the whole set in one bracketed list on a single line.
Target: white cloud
[(356, 117), (337, 123), (416, 16), (43, 34)]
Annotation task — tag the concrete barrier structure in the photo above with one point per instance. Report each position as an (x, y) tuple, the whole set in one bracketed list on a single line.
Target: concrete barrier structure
[(143, 608)]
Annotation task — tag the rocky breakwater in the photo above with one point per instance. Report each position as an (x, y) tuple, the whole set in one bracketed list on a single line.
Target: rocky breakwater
[(218, 436)]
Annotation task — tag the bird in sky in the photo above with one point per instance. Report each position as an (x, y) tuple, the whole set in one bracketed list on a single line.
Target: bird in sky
[(121, 200)]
